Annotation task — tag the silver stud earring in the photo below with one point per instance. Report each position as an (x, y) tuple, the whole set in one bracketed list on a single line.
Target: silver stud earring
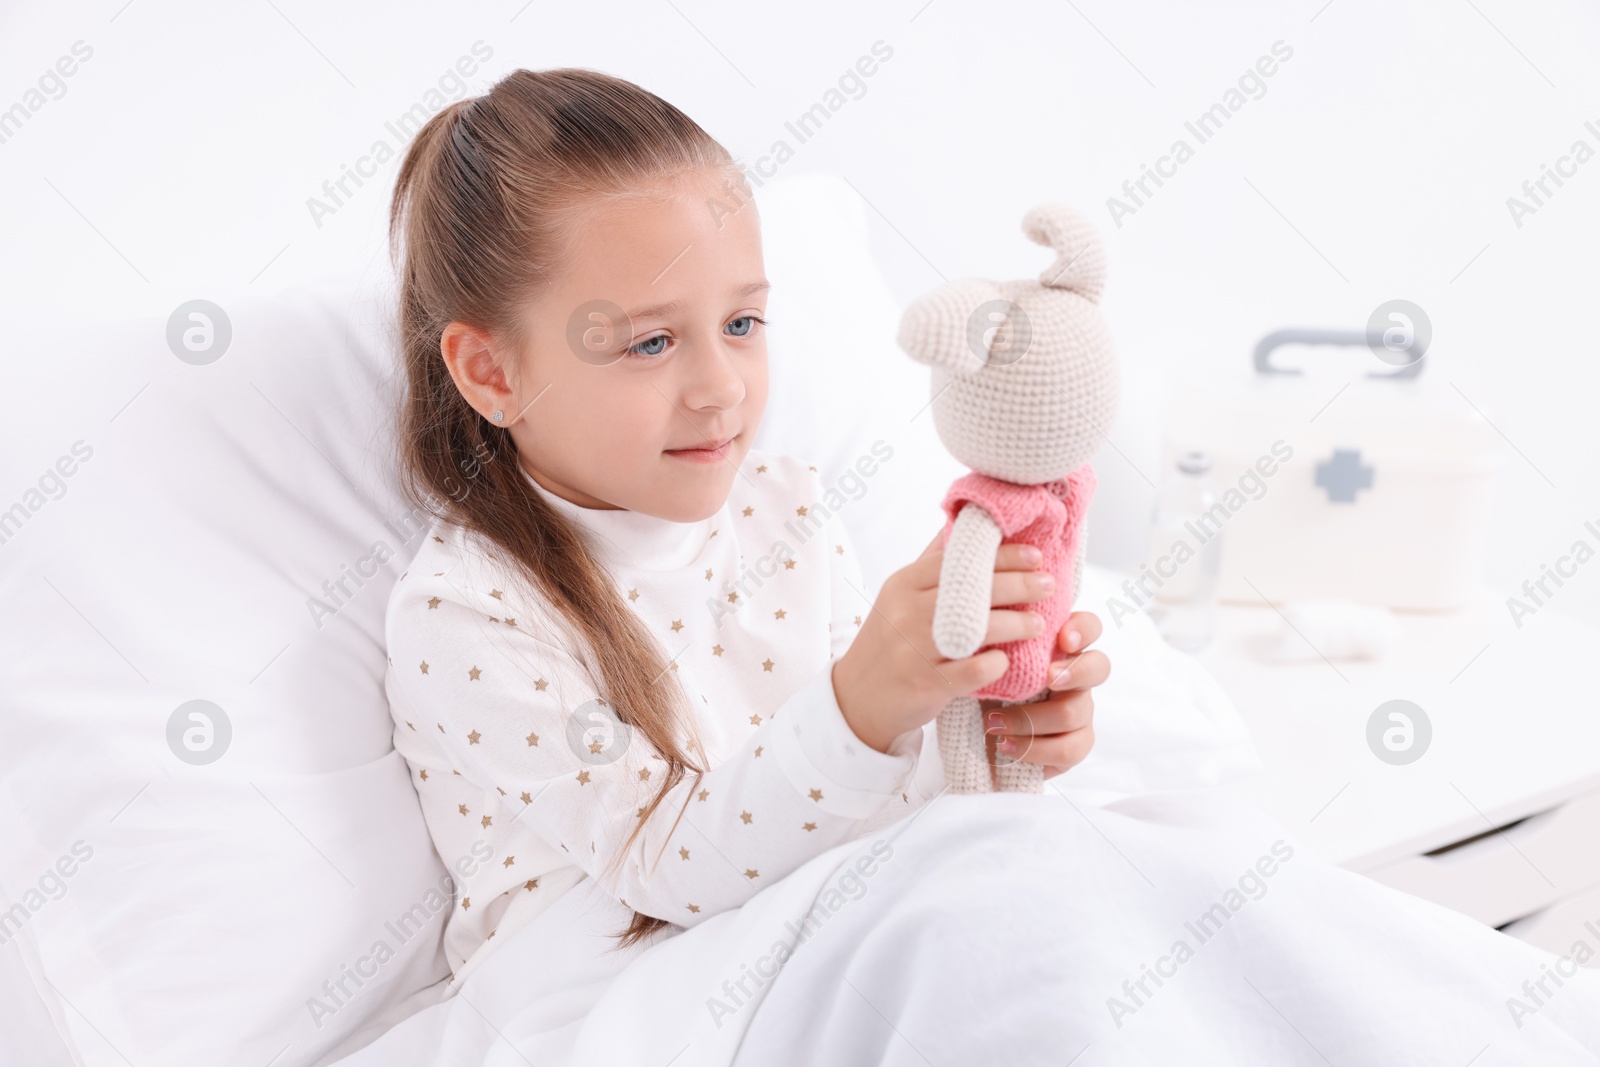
[(498, 416)]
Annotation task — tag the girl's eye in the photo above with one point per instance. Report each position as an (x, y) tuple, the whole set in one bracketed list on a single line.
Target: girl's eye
[(649, 347)]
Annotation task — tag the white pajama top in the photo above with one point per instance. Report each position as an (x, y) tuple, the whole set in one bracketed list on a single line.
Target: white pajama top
[(530, 783)]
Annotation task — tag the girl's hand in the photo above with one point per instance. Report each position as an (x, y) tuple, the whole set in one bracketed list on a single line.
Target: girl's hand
[(892, 678), (1057, 731)]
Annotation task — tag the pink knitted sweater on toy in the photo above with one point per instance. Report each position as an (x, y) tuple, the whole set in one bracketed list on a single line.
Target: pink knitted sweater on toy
[(1051, 517)]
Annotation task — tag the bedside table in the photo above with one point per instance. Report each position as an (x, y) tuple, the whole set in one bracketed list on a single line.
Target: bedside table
[(1498, 818)]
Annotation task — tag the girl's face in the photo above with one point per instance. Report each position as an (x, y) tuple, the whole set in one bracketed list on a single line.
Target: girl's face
[(644, 375)]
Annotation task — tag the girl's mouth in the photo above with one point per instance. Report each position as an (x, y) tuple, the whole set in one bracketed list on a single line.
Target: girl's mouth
[(712, 454)]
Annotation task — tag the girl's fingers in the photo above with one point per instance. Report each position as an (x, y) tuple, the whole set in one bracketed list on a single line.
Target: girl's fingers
[(1090, 669), (1021, 587), (923, 572), (964, 676), (1056, 715), (1081, 630), (1006, 624), (1055, 751), (1017, 557), (1072, 677)]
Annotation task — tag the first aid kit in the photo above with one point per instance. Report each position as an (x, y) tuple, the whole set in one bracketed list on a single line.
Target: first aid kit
[(1373, 487)]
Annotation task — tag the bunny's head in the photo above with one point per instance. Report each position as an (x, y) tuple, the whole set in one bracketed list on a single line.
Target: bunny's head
[(1024, 372)]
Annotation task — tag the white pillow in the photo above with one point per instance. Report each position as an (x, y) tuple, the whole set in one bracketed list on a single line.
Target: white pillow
[(166, 524)]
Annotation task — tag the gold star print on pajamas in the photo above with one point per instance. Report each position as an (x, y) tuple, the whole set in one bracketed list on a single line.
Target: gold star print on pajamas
[(531, 781)]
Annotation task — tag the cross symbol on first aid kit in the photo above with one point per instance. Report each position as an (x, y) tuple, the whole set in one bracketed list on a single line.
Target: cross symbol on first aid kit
[(1344, 475)]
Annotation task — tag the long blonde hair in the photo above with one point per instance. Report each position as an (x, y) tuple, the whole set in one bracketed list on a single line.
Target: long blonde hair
[(482, 214)]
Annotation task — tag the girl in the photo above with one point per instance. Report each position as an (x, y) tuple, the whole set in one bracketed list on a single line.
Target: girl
[(638, 682), (614, 657)]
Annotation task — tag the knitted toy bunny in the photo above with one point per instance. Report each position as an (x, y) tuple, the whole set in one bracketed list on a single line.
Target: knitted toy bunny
[(1024, 387)]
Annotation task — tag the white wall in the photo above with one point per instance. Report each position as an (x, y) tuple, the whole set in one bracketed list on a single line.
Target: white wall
[(1377, 164)]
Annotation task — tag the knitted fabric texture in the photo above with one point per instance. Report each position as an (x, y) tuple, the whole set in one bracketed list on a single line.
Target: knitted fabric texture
[(1049, 516), (1024, 373)]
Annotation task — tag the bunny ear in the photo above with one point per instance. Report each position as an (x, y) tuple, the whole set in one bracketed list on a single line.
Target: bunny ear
[(1080, 263), (953, 325)]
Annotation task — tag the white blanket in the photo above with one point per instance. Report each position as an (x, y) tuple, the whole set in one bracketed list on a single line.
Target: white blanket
[(1169, 928)]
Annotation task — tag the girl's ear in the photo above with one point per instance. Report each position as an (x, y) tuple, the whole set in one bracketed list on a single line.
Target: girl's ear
[(469, 355), (953, 326)]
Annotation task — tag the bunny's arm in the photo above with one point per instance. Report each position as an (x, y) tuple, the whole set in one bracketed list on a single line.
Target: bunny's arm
[(966, 582)]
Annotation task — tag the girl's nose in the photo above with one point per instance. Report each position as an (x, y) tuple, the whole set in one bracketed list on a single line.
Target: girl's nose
[(714, 378)]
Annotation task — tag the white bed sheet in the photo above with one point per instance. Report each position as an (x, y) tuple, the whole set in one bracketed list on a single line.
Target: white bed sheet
[(1009, 929)]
